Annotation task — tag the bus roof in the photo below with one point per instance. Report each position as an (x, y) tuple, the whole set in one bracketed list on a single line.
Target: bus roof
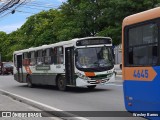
[(69, 42), (142, 16)]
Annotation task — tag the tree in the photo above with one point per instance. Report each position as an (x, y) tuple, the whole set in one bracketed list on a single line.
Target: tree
[(40, 29), (74, 19), (3, 38), (100, 17)]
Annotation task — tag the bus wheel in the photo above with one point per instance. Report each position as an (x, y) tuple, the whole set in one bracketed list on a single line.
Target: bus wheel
[(29, 81), (91, 87), (61, 83)]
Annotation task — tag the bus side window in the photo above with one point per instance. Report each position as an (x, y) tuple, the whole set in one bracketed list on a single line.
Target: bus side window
[(142, 47), (26, 60), (40, 59), (58, 55), (47, 56), (52, 55), (32, 58)]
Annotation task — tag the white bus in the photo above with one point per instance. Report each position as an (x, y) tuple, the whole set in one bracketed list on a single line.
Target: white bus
[(78, 62)]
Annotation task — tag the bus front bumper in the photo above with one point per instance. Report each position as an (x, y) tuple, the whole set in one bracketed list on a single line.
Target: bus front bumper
[(81, 82)]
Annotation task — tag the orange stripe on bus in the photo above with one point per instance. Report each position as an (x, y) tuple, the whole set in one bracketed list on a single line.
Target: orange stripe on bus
[(28, 70), (89, 74)]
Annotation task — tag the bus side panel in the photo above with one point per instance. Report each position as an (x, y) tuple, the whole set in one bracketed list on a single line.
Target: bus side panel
[(142, 95), (44, 79)]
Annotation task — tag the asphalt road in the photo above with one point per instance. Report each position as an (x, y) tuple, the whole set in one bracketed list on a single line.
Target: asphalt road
[(102, 98)]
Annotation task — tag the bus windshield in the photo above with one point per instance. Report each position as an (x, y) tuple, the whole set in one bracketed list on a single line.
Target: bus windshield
[(94, 58)]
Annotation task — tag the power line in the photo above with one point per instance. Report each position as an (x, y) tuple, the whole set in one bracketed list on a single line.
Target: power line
[(16, 11), (24, 11), (32, 8), (26, 4), (20, 4), (8, 5), (42, 3), (5, 15), (35, 7), (40, 6)]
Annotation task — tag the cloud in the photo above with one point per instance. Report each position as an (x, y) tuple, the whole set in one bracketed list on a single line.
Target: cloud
[(62, 1), (10, 28)]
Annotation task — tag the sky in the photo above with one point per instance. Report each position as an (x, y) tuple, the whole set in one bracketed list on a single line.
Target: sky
[(10, 22)]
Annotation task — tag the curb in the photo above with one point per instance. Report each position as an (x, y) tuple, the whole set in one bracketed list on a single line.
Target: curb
[(48, 109)]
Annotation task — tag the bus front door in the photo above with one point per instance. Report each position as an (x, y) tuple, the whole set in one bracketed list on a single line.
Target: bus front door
[(69, 66), (19, 68)]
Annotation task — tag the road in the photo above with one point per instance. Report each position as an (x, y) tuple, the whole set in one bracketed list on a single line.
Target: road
[(102, 98)]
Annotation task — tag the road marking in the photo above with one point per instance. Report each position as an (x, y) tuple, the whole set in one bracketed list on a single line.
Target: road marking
[(116, 85), (119, 75), (33, 103)]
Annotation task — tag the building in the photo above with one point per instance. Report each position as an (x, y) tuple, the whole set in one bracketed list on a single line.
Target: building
[(118, 54)]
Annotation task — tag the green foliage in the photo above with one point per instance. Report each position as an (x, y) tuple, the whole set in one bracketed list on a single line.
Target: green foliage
[(74, 19)]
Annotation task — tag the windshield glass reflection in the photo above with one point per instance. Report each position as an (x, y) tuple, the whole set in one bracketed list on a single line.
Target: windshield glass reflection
[(97, 57)]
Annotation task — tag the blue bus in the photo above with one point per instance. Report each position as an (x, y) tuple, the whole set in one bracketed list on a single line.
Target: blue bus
[(141, 63)]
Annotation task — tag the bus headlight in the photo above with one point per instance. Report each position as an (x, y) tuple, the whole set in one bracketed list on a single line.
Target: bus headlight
[(109, 75), (83, 76)]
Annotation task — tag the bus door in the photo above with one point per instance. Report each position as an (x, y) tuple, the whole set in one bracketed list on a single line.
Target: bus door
[(19, 68), (69, 65)]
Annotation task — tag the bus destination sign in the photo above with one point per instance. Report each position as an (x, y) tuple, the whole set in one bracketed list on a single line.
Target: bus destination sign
[(94, 41)]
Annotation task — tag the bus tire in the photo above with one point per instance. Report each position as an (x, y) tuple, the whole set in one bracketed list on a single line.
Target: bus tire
[(29, 81), (120, 66), (91, 87), (61, 83)]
